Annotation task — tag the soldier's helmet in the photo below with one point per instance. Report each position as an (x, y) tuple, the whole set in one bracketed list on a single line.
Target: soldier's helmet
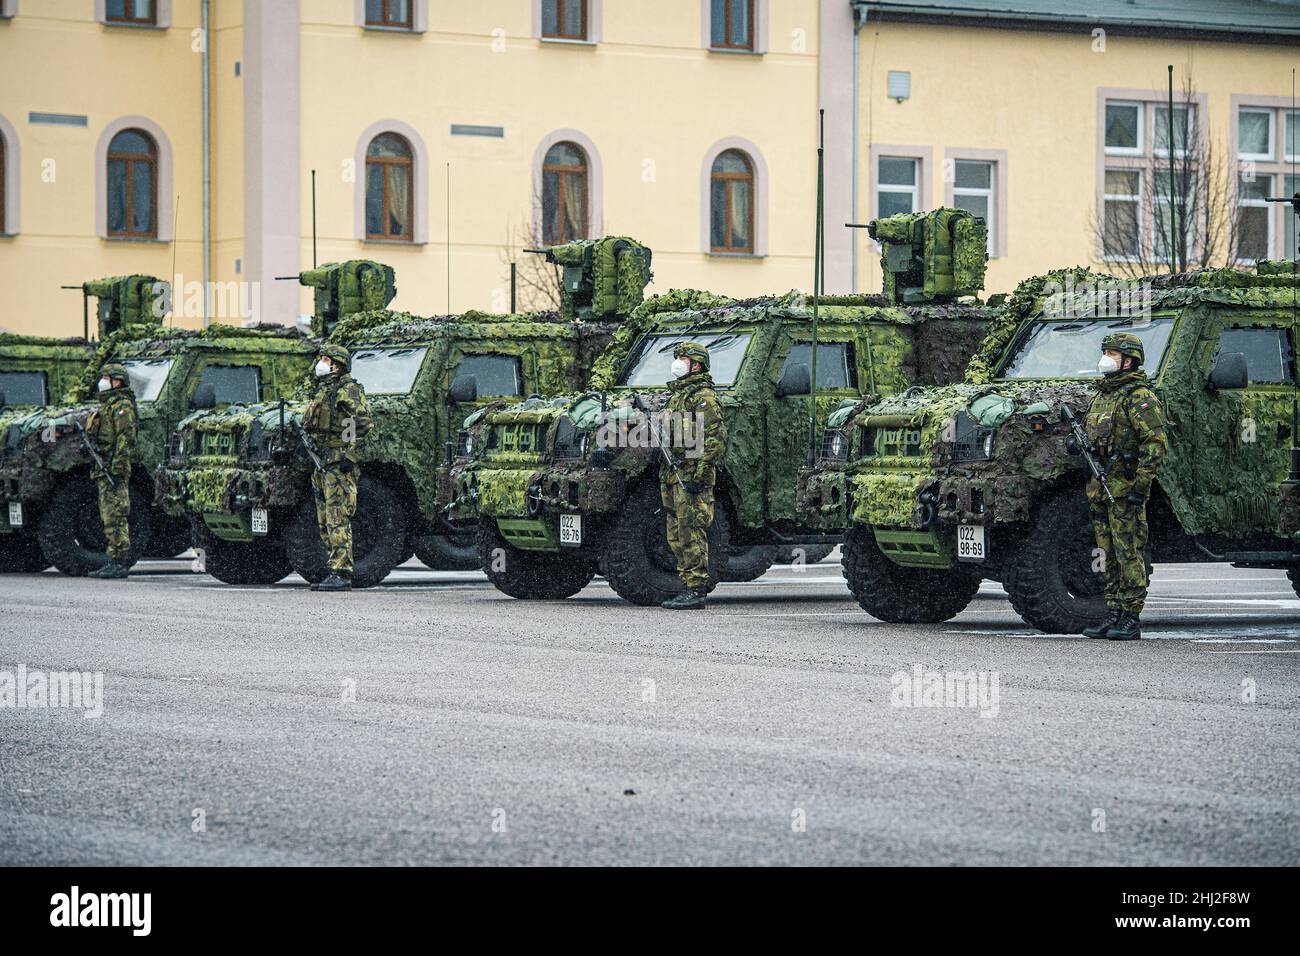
[(693, 351), (113, 370), (338, 354), (1125, 343)]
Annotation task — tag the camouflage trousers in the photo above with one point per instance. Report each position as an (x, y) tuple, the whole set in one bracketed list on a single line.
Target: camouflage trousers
[(1121, 531), (114, 512), (689, 517), (336, 503)]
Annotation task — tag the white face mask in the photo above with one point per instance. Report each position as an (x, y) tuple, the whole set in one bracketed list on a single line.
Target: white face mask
[(105, 384), (323, 368), (1107, 365), (681, 367)]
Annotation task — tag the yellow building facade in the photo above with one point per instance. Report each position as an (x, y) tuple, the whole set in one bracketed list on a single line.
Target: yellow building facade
[(445, 138)]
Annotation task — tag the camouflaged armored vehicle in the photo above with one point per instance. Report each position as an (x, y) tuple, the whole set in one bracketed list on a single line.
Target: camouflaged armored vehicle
[(35, 371), (947, 487), (46, 469), (244, 478), (563, 487)]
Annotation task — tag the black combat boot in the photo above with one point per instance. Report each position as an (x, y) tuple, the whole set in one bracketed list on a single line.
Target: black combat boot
[(1126, 629), (688, 600), (337, 581), (110, 572), (1102, 629)]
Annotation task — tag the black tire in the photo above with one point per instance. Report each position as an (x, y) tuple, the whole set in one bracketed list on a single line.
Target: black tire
[(1293, 575), (639, 565), (529, 575), (21, 554), (378, 537), (260, 561), (748, 562), (899, 595), (1050, 580), (168, 538), (443, 552), (72, 536), (812, 553)]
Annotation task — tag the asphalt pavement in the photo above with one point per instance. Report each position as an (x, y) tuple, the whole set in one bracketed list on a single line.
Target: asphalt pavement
[(433, 720)]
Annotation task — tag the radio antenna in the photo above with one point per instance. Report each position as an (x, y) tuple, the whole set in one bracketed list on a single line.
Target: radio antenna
[(818, 268), (1293, 476)]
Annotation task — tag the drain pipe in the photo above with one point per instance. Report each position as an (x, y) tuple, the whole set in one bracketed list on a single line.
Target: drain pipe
[(859, 21), (207, 168)]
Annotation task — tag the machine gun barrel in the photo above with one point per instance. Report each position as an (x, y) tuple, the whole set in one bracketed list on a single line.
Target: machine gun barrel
[(307, 446), (1087, 449)]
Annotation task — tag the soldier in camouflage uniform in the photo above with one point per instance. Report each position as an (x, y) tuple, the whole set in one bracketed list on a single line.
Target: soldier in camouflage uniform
[(336, 420), (687, 490), (1127, 425), (112, 429)]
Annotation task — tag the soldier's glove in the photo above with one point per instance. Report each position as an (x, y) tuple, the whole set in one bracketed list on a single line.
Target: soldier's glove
[(345, 467), (1135, 497)]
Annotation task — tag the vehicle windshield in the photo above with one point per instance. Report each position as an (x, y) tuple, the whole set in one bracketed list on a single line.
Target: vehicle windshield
[(387, 371), (651, 363), (1062, 348), (22, 388), (148, 376)]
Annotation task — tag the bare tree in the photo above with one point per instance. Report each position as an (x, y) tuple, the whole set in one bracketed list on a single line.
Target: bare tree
[(539, 282), (1133, 230)]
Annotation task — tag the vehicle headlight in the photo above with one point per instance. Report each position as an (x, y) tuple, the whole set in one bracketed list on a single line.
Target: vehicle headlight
[(464, 443), (835, 444), (988, 444)]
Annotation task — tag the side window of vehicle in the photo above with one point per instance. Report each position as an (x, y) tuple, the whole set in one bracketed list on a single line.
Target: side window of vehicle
[(23, 388), (497, 376), (836, 366), (1267, 350), (234, 384)]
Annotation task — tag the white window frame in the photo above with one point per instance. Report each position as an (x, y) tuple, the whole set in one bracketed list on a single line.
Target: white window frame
[(1135, 199), (1286, 252), (1260, 204), (1189, 138), (1139, 150), (1286, 122), (914, 190), (1272, 133), (990, 221)]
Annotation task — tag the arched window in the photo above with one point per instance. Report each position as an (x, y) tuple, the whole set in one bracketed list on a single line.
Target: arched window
[(133, 185), (564, 193), (388, 188), (731, 203)]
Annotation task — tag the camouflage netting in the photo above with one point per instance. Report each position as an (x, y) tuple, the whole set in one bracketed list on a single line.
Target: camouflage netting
[(894, 347), (345, 288), (1288, 520), (931, 256), (1228, 452), (602, 278), (129, 303)]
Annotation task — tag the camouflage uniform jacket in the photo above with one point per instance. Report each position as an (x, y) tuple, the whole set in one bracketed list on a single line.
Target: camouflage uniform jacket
[(337, 418), (692, 398), (113, 427), (1127, 424)]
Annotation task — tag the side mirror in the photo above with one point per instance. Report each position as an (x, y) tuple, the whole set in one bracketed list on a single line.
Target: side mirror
[(795, 380), (1229, 372), (205, 396), (464, 389)]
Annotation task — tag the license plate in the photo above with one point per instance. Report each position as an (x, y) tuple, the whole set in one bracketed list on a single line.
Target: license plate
[(15, 514), (261, 524), (571, 529), (970, 543)]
